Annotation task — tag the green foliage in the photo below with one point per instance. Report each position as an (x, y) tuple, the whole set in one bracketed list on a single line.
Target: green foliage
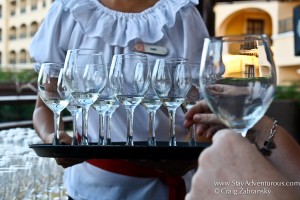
[(17, 112), (23, 76), (288, 92), (20, 111)]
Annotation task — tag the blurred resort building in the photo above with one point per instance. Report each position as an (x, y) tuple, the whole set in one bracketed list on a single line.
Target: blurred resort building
[(20, 19), (274, 18)]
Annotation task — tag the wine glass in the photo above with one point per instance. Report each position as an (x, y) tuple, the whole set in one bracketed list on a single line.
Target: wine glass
[(171, 80), (85, 75), (151, 103), (53, 93), (105, 100), (129, 78), (238, 79), (74, 110), (192, 97)]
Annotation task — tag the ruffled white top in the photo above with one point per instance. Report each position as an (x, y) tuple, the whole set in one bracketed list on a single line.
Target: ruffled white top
[(69, 24)]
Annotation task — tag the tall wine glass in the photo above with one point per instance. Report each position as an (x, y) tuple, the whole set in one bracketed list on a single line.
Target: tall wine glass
[(53, 93), (105, 100), (171, 80), (192, 98), (129, 77), (73, 109), (86, 75), (151, 103), (238, 79)]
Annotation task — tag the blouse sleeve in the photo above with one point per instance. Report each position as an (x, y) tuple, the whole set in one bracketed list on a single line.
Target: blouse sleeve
[(50, 42), (194, 32)]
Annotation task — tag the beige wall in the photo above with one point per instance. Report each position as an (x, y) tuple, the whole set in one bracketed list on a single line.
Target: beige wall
[(223, 11), (236, 23), (285, 10), (289, 74)]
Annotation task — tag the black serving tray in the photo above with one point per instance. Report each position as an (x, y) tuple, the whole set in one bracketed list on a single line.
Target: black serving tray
[(118, 150)]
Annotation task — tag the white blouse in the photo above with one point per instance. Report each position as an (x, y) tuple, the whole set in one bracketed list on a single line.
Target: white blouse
[(70, 24)]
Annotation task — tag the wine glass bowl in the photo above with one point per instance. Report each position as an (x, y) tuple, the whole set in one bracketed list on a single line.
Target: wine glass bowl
[(238, 79), (171, 80), (53, 92), (129, 77), (194, 94)]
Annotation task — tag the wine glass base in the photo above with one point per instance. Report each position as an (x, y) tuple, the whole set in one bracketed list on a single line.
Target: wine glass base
[(108, 141), (152, 141), (129, 141), (74, 141), (55, 140), (101, 141), (84, 142), (172, 142), (192, 142)]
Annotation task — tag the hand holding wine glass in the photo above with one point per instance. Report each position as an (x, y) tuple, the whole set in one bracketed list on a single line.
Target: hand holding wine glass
[(238, 79), (53, 93)]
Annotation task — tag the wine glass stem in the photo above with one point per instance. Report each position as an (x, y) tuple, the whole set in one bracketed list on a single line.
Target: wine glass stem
[(129, 112), (101, 140), (74, 137), (151, 139), (85, 115), (172, 141), (192, 135), (107, 125), (56, 128)]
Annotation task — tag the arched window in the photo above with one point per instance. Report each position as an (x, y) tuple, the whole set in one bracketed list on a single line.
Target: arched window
[(12, 33), (23, 31), (33, 28), (23, 56), (44, 3), (13, 8), (0, 11), (33, 4), (12, 57), (23, 6)]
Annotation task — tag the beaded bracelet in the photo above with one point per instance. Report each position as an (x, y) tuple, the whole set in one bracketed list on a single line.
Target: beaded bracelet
[(268, 144)]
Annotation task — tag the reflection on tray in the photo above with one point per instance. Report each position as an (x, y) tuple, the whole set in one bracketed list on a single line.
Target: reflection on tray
[(118, 150)]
